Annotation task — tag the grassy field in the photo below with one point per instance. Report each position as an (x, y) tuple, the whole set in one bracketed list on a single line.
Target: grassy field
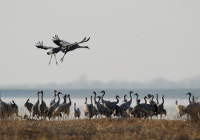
[(100, 129)]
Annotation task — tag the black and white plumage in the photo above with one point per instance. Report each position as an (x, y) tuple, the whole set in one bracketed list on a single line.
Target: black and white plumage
[(125, 100), (126, 105), (189, 98), (137, 100), (35, 108), (161, 109), (29, 106), (76, 112), (104, 102), (110, 105), (3, 109), (66, 46), (53, 101), (53, 50), (12, 109), (101, 108), (67, 106), (88, 108), (181, 109), (54, 106), (42, 106), (150, 99), (144, 109), (94, 111), (193, 109), (59, 42), (58, 110), (63, 46)]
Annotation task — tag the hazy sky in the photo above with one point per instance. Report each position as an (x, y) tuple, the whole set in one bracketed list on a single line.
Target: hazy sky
[(130, 40)]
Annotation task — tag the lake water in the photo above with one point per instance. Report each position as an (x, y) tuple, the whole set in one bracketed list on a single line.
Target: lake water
[(78, 97)]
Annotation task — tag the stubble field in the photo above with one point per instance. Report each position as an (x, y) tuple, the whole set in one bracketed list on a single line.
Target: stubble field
[(100, 129)]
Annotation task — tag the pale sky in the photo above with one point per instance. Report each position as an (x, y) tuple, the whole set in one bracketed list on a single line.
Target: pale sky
[(130, 40)]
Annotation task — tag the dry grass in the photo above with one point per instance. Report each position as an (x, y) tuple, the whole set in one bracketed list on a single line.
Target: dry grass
[(101, 129)]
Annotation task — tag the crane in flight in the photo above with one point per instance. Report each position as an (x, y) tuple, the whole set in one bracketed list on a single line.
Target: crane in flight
[(66, 46), (63, 46)]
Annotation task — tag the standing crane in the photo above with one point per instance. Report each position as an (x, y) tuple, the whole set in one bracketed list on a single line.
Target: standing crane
[(12, 109), (101, 108), (67, 107), (3, 108), (109, 104), (181, 109), (58, 110), (161, 109), (53, 101), (42, 107), (35, 108), (193, 109), (124, 106), (29, 106), (144, 109), (88, 109), (54, 106), (76, 112)]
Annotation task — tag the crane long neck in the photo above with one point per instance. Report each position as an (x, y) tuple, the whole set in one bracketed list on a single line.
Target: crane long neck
[(157, 98), (27, 101), (86, 100), (42, 97), (99, 100), (38, 96), (130, 97), (102, 100), (190, 99), (91, 99), (152, 97), (124, 97), (65, 100), (58, 99), (69, 101), (163, 100), (136, 98), (145, 100), (95, 98), (117, 99)]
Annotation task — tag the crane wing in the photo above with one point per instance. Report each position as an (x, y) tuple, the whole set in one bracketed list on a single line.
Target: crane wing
[(40, 46), (76, 43), (59, 42)]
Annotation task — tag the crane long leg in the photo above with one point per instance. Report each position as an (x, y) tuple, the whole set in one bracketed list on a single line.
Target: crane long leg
[(61, 60), (55, 59), (50, 60)]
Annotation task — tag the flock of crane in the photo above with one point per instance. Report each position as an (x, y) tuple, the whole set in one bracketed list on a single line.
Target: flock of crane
[(98, 107), (109, 109)]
